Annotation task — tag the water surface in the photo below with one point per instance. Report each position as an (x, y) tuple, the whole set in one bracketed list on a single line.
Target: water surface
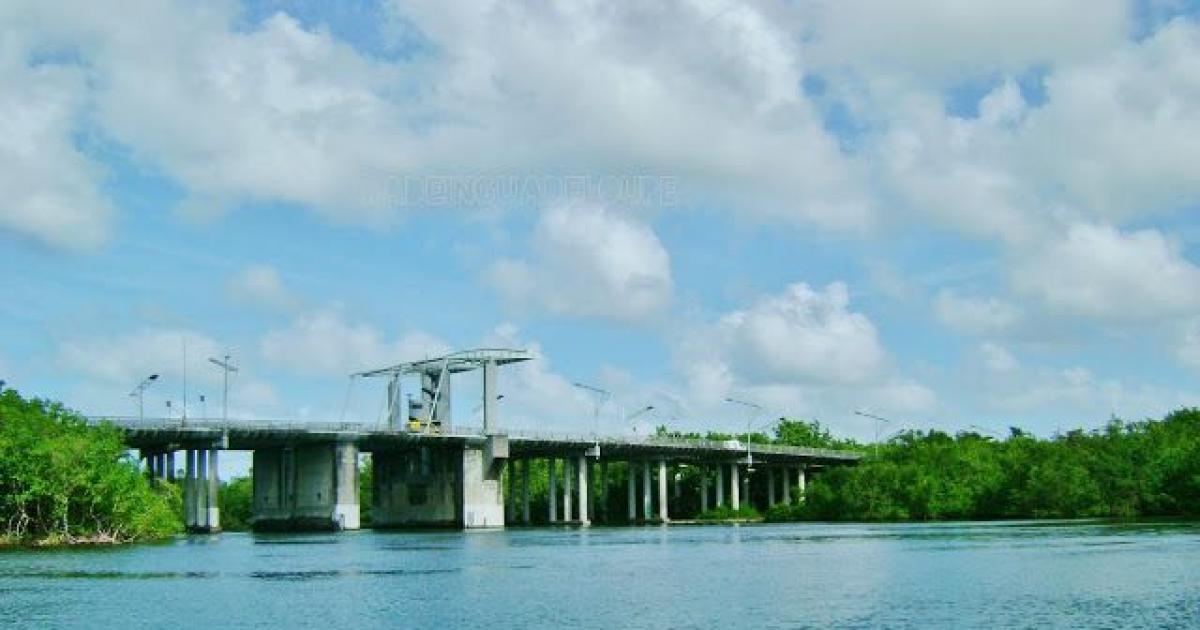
[(784, 576)]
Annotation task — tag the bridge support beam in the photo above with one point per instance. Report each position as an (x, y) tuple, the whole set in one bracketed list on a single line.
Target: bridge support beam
[(703, 489), (800, 483)]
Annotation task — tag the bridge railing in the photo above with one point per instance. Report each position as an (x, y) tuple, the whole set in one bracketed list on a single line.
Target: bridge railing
[(459, 431)]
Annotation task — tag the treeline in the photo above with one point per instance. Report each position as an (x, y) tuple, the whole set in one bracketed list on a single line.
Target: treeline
[(62, 481), (1149, 468)]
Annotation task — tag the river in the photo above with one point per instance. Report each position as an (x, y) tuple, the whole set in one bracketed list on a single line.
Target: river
[(985, 575)]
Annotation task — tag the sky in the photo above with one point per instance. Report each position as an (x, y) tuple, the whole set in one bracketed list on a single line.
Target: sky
[(957, 216)]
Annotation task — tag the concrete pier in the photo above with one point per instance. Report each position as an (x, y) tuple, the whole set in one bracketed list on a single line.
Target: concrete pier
[(566, 490), (703, 489), (787, 486), (581, 468), (720, 485), (646, 501), (735, 488), (553, 493), (631, 483), (662, 491), (800, 483), (311, 487), (771, 485), (525, 492)]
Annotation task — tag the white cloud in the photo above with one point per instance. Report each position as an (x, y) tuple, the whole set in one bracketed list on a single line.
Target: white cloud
[(1189, 347), (51, 190), (996, 358), (322, 343), (1097, 271), (975, 315), (127, 359), (260, 286), (939, 40), (589, 262), (802, 334)]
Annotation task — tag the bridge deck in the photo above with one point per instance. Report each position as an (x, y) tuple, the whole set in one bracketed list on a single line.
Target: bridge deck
[(161, 434)]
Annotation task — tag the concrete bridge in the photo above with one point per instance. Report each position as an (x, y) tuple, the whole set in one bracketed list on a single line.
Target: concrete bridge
[(306, 475), (428, 473)]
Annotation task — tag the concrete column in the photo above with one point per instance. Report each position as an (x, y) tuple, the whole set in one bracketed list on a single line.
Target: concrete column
[(525, 492), (171, 466), (214, 491), (632, 483), (800, 483), (510, 501), (703, 489), (735, 487), (553, 494), (489, 396), (584, 497), (771, 484), (662, 490), (189, 490), (162, 466), (346, 514), (787, 486), (591, 489), (646, 501), (566, 497), (603, 513), (720, 485), (201, 489)]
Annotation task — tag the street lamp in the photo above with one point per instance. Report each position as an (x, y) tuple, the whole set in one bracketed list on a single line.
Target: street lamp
[(755, 409), (878, 420), (139, 393), (226, 367), (600, 396), (627, 420)]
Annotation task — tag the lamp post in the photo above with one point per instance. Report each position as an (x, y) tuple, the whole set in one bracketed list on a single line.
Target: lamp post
[(755, 409), (629, 418), (139, 393), (600, 396), (878, 420), (226, 368)]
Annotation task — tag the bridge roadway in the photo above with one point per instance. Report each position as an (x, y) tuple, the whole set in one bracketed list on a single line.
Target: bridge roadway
[(306, 474)]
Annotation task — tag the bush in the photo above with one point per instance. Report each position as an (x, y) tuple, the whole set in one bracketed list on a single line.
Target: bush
[(62, 481)]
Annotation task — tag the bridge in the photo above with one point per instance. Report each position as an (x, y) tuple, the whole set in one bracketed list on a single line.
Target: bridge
[(429, 473)]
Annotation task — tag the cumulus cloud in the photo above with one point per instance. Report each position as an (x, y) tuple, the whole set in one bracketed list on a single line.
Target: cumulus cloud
[(803, 334), (323, 343), (975, 315), (996, 358), (261, 286), (589, 261), (802, 351), (1188, 350), (1097, 271), (52, 191), (938, 41), (127, 359)]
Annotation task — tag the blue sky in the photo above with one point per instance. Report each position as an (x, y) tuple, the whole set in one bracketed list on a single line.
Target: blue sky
[(983, 217)]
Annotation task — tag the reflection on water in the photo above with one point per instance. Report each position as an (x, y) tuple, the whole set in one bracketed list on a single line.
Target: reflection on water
[(1077, 574)]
